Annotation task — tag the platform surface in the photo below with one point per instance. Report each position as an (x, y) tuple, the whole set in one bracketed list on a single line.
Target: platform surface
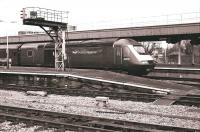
[(101, 75)]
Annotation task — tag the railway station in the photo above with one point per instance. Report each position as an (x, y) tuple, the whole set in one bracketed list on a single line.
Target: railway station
[(115, 79)]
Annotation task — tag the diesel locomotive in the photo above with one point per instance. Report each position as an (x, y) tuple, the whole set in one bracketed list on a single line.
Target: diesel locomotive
[(120, 54)]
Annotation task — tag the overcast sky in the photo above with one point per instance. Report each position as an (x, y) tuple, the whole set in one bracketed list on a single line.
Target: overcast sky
[(94, 11)]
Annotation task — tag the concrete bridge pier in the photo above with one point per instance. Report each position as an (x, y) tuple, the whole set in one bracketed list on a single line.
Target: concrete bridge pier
[(179, 52)]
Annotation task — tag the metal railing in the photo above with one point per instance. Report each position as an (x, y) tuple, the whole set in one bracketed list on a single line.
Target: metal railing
[(192, 17), (46, 14)]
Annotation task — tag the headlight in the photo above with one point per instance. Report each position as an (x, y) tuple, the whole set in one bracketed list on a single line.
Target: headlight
[(144, 62)]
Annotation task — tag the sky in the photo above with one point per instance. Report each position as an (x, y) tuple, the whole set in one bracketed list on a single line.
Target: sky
[(90, 13)]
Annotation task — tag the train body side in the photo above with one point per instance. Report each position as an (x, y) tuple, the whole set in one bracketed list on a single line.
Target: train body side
[(91, 57), (122, 54), (13, 53), (32, 54), (84, 55)]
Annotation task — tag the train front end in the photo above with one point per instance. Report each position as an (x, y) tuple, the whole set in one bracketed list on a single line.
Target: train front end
[(142, 61), (134, 57)]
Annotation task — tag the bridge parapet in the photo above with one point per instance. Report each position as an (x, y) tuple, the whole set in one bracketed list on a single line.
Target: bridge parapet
[(148, 33)]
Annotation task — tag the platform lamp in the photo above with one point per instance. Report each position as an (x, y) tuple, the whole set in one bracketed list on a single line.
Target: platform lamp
[(7, 49)]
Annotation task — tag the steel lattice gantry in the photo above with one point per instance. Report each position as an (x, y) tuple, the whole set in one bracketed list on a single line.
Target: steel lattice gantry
[(56, 21)]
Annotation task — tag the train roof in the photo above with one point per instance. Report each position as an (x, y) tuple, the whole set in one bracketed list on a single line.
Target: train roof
[(27, 45), (124, 42), (11, 46), (33, 45), (93, 42), (112, 41), (96, 42)]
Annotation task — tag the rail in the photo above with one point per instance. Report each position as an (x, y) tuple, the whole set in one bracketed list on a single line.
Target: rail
[(81, 122)]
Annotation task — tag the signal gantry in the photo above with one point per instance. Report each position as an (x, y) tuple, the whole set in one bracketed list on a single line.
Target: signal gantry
[(56, 21)]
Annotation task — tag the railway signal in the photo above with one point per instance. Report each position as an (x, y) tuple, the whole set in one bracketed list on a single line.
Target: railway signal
[(56, 21), (23, 14)]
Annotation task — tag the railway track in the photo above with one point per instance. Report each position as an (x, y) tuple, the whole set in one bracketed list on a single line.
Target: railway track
[(186, 99), (64, 121), (179, 80), (176, 99), (189, 100), (187, 75), (171, 78)]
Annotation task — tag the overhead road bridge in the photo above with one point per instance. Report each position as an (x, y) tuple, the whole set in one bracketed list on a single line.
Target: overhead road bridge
[(170, 33)]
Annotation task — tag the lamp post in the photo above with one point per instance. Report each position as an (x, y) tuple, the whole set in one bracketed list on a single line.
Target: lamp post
[(7, 48), (7, 53)]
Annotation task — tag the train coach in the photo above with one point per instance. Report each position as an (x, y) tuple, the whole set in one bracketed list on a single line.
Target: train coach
[(120, 54)]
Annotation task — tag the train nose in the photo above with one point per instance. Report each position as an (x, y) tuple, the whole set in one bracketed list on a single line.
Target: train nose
[(151, 62), (148, 70)]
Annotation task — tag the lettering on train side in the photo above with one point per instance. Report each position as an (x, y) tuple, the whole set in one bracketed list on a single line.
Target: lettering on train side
[(87, 51)]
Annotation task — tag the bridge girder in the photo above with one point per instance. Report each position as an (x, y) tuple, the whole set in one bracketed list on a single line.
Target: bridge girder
[(149, 33)]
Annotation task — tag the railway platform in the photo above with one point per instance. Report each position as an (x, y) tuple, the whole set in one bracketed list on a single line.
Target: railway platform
[(102, 76)]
